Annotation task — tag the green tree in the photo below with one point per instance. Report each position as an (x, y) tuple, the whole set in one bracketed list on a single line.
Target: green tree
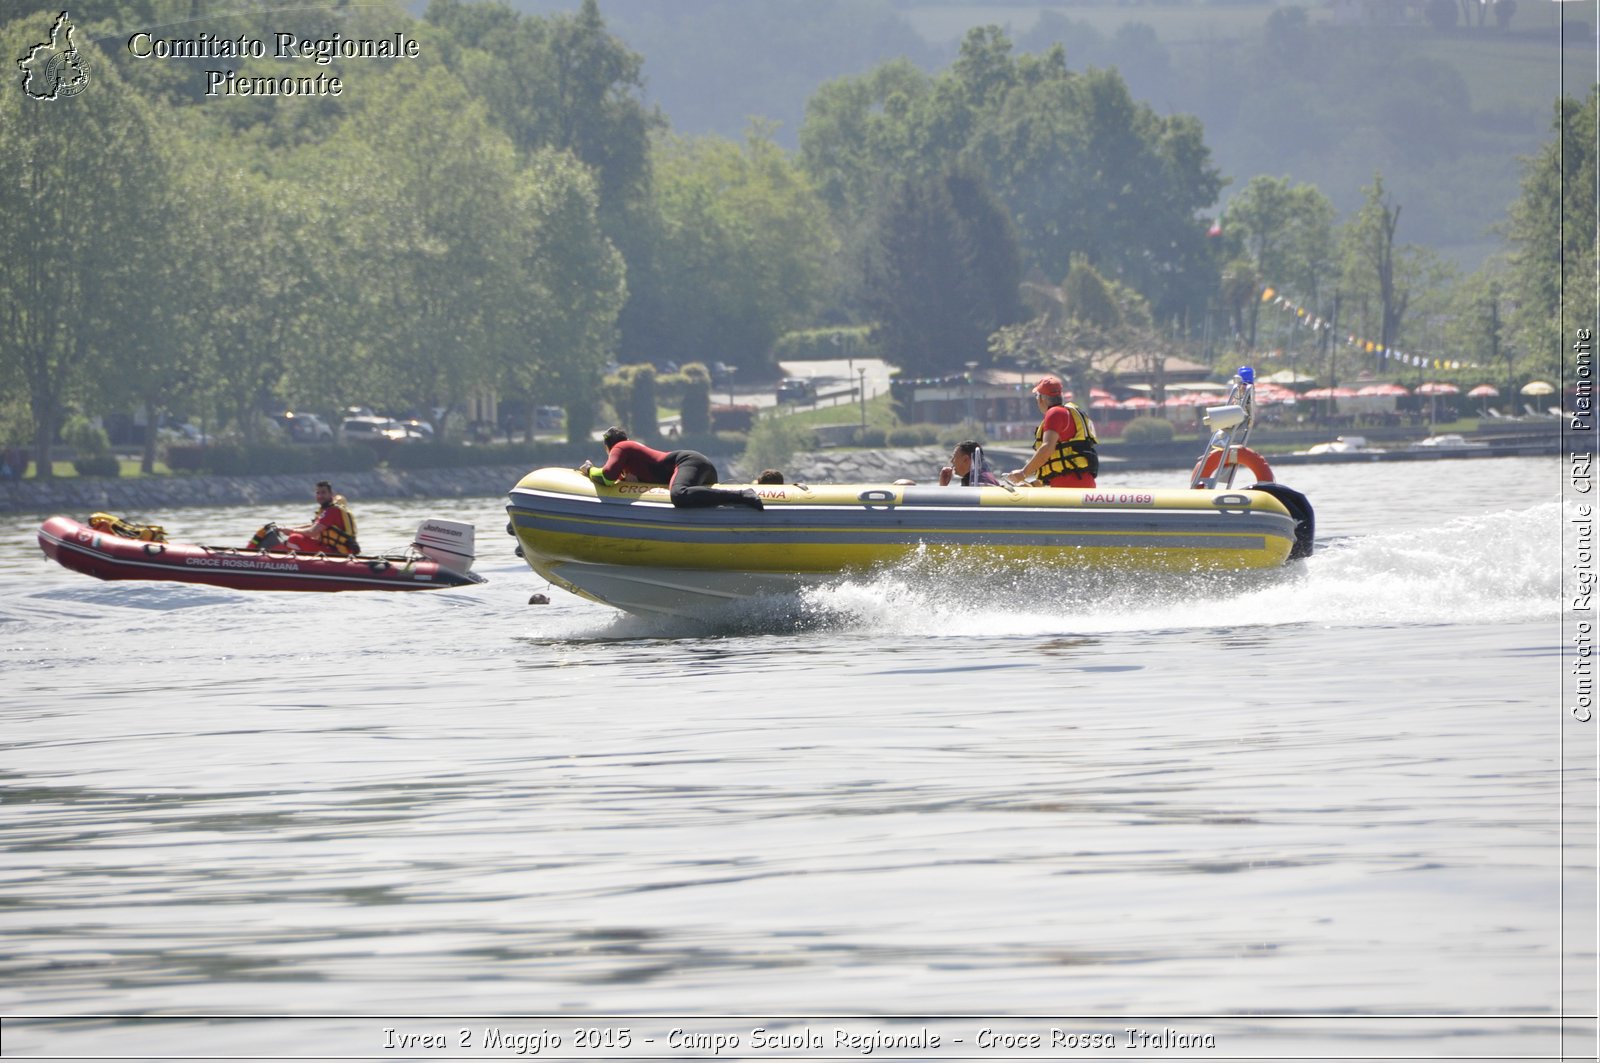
[(1287, 235), (1552, 232), (742, 250), (1477, 325), (253, 282), (79, 233), (942, 273), (566, 83), (1084, 326), (1379, 275), (696, 412), (573, 286), (1079, 165), (431, 192), (631, 391)]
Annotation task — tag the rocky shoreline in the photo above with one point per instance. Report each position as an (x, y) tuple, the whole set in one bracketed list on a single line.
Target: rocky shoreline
[(152, 497), (149, 498)]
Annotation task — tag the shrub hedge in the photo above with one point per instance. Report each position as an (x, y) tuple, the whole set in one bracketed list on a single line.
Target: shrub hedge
[(810, 345), (1148, 430), (267, 459), (461, 456), (98, 465)]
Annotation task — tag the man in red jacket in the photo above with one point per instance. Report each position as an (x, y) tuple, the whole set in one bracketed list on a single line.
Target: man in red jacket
[(331, 531), (688, 473)]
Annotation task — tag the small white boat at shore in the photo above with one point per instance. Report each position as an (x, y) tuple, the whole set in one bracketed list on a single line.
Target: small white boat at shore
[(1352, 445), (1450, 441)]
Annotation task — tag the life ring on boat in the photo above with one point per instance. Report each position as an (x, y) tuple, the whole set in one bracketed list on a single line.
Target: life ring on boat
[(1246, 458)]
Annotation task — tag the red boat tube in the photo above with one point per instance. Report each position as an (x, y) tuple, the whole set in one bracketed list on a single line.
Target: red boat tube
[(112, 557)]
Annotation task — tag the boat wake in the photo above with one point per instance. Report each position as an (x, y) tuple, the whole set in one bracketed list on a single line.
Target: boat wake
[(1494, 568), (1489, 569)]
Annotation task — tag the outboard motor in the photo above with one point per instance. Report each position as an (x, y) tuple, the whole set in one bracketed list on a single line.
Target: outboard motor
[(448, 542)]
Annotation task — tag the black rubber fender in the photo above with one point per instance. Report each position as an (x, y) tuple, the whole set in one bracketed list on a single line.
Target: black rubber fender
[(1299, 507)]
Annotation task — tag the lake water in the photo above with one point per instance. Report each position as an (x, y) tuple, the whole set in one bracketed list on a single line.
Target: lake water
[(1311, 814)]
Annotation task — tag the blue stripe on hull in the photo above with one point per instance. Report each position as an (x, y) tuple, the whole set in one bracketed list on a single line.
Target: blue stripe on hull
[(846, 525)]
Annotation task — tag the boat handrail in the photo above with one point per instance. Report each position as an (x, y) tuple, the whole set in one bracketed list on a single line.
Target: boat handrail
[(1230, 423)]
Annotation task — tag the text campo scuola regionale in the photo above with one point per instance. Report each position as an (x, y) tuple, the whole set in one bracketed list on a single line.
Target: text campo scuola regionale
[(319, 50)]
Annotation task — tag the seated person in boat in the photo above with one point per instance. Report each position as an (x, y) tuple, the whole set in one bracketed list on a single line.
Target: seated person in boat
[(1064, 443), (968, 467), (332, 531), (770, 476), (688, 474)]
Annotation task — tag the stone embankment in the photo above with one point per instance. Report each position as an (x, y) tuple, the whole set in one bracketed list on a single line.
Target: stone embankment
[(150, 497)]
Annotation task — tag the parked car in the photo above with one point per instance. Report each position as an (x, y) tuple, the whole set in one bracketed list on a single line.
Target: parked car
[(548, 418), (380, 430), (794, 389), (367, 428), (416, 427), (304, 427)]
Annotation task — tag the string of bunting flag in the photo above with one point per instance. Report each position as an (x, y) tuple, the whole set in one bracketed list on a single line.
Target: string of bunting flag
[(1275, 298)]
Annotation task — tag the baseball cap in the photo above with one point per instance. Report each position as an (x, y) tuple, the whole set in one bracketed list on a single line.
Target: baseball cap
[(1048, 385)]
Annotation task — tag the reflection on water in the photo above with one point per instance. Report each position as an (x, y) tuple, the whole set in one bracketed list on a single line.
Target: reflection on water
[(1328, 792)]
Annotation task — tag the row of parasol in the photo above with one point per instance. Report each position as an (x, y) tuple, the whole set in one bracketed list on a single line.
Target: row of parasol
[(1270, 394)]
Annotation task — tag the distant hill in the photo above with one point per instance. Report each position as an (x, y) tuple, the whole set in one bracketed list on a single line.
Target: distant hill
[(1321, 93)]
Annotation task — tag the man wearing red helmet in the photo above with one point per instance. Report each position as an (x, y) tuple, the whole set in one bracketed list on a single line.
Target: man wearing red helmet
[(1064, 443)]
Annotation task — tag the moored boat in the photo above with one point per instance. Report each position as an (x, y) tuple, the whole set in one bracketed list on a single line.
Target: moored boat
[(1352, 446), (629, 547), (441, 556)]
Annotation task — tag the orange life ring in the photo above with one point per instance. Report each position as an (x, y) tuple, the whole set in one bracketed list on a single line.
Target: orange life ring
[(1246, 458)]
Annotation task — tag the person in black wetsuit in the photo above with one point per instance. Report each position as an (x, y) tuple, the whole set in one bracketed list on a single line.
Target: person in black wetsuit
[(688, 474)]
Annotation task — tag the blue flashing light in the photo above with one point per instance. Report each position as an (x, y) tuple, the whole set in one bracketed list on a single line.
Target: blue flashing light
[(1247, 374)]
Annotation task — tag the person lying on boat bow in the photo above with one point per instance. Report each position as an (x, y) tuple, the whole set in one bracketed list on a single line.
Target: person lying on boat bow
[(332, 531), (968, 467), (1064, 443), (688, 474)]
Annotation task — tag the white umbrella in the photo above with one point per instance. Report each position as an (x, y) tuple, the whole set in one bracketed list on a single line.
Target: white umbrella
[(1538, 387), (1433, 391)]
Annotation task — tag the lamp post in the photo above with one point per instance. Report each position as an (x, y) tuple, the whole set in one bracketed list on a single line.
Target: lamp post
[(970, 367)]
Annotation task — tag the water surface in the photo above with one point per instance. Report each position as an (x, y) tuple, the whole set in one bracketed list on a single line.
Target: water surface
[(1299, 805)]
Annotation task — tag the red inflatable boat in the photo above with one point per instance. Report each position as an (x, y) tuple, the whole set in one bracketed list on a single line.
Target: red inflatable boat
[(442, 557)]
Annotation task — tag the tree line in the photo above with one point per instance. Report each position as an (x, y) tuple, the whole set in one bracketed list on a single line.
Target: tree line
[(505, 214)]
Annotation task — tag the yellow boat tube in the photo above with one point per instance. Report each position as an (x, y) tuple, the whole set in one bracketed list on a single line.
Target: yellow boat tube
[(629, 547)]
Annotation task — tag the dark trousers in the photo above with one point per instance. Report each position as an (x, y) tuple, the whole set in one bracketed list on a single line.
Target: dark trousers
[(692, 479)]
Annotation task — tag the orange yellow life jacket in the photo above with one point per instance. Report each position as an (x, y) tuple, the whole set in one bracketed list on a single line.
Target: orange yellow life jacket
[(1076, 454), (110, 522), (338, 536)]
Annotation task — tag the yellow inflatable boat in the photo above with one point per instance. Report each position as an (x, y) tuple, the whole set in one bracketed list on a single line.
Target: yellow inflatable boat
[(627, 546)]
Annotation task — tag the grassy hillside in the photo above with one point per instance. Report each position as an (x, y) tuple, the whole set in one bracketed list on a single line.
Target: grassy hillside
[(1446, 116)]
